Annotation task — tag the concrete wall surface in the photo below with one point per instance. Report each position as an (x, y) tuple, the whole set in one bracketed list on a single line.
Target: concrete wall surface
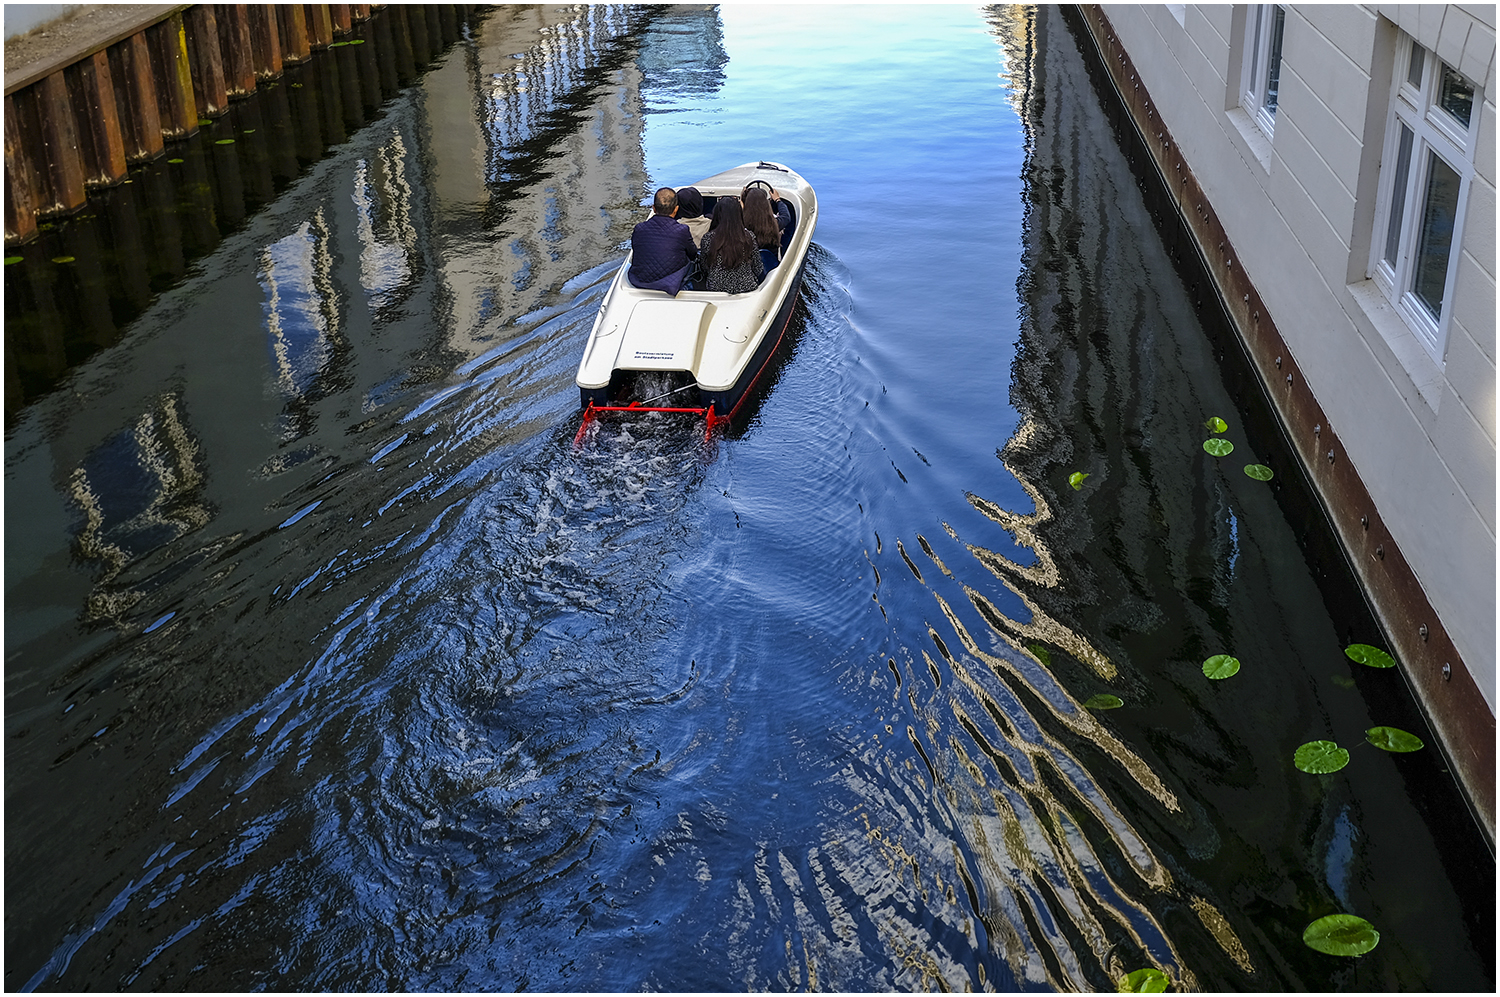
[(1301, 204), (23, 17)]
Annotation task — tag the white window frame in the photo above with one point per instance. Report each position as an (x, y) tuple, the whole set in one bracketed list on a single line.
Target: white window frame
[(1260, 54), (1435, 133)]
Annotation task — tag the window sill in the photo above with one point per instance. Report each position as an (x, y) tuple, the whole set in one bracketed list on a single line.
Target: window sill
[(1403, 353), (1253, 143)]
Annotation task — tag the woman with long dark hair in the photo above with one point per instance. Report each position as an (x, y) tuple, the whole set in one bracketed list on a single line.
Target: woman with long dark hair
[(760, 219), (730, 258)]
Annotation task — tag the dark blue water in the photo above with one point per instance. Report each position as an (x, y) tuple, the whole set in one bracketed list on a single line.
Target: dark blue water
[(333, 664)]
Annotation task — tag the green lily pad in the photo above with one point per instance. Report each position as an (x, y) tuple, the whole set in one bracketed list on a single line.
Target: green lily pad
[(64, 259), (174, 160), (13, 259), (1221, 666), (225, 141), (248, 131), (1076, 479), (1103, 701), (204, 122), (1216, 425), (1320, 757), (1365, 654), (1042, 654), (1341, 934), (1218, 447), (1259, 472), (1393, 739), (356, 41), (1143, 981), (337, 44)]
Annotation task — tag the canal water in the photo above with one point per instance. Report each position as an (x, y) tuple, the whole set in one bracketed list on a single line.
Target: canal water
[(332, 663)]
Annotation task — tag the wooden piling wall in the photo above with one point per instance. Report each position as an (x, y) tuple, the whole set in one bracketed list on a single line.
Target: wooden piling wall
[(117, 95)]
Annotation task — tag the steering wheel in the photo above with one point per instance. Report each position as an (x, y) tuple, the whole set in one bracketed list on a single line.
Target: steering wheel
[(770, 191)]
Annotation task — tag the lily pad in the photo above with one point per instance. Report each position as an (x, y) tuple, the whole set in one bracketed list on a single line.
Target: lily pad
[(1143, 981), (1103, 701), (1218, 447), (13, 259), (1368, 655), (1221, 666), (64, 259), (1259, 472), (248, 131), (174, 160), (204, 122), (1341, 934), (1076, 479), (1393, 739), (225, 141), (1041, 653), (1216, 425), (1320, 757)]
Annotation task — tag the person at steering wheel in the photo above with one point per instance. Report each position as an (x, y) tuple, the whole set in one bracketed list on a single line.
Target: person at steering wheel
[(782, 212)]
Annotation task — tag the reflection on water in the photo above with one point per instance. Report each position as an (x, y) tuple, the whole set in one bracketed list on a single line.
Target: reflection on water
[(332, 663)]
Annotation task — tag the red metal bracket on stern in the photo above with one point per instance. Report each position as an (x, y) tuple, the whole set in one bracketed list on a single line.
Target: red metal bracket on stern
[(593, 412)]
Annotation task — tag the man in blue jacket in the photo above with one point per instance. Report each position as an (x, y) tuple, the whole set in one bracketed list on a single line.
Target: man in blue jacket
[(662, 248)]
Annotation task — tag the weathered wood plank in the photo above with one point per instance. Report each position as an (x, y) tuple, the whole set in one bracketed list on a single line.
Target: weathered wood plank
[(343, 18), (237, 49), (359, 11), (91, 86), (295, 44), (135, 95), (205, 62), (60, 153), (20, 182), (265, 41), (174, 91)]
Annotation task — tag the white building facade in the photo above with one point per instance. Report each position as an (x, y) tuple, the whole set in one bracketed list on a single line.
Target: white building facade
[(1348, 154)]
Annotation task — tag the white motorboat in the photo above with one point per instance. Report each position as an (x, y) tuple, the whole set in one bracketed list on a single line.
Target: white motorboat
[(708, 348)]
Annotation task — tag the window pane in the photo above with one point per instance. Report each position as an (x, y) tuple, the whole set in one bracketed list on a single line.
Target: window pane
[(1273, 67), (1457, 96), (1398, 197), (1414, 74), (1439, 212)]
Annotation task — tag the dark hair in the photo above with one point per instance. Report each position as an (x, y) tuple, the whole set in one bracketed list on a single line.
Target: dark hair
[(760, 219), (689, 202), (728, 243), (666, 200)]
